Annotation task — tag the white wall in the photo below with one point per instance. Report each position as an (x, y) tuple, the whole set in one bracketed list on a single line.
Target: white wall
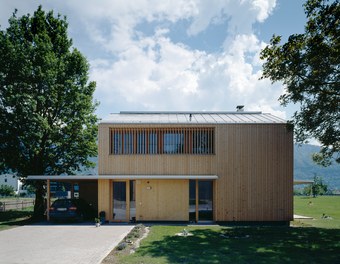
[(11, 180)]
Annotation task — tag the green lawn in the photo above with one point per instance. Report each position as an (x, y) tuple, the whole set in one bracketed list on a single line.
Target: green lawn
[(318, 241), (316, 207)]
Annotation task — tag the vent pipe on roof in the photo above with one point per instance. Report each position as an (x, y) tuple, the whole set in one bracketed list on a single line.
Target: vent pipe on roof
[(190, 116), (240, 108)]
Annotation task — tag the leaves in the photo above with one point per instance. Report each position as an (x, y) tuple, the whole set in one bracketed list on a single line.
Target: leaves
[(308, 65), (47, 120)]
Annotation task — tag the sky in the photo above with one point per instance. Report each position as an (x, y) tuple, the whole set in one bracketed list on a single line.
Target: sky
[(176, 55)]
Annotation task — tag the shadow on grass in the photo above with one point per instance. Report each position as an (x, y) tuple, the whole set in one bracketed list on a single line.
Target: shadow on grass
[(249, 245), (14, 214), (15, 218)]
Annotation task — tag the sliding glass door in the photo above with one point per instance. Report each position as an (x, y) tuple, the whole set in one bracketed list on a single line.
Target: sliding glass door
[(119, 201), (205, 200), (201, 200)]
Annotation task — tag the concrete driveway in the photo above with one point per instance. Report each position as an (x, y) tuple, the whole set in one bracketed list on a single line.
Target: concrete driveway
[(48, 243)]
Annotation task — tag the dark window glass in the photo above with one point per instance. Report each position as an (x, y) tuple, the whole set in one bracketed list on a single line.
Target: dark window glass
[(119, 200), (162, 141), (153, 143), (133, 200), (173, 143), (192, 200), (205, 198), (117, 143), (141, 143), (202, 142), (128, 143)]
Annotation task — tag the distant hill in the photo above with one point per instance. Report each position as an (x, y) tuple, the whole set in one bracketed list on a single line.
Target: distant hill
[(305, 168)]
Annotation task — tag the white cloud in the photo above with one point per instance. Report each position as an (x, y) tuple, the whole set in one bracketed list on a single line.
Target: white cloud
[(151, 71), (155, 73), (241, 15)]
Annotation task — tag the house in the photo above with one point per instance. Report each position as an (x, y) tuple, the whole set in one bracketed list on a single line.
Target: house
[(181, 166), (193, 166), (13, 181)]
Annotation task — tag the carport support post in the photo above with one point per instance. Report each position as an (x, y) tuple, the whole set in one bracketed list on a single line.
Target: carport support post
[(48, 202), (197, 201)]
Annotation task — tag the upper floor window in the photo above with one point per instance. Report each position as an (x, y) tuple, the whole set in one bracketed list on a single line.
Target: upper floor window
[(162, 141), (173, 142)]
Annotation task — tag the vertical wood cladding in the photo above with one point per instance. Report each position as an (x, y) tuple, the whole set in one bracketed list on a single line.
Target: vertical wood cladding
[(255, 169), (104, 197), (162, 200), (253, 162)]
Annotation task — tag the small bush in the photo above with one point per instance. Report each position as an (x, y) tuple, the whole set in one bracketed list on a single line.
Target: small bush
[(6, 190)]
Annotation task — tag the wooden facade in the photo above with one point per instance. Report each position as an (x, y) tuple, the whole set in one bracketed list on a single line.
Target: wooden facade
[(253, 163)]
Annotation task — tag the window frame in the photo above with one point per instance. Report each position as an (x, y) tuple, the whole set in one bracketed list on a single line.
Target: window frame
[(153, 141)]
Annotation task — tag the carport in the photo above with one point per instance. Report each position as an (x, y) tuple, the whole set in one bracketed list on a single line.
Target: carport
[(82, 186)]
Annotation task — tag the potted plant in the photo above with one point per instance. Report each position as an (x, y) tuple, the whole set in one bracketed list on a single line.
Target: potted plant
[(97, 221)]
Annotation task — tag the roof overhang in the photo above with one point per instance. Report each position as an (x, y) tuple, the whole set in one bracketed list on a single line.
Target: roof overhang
[(303, 181), (121, 177)]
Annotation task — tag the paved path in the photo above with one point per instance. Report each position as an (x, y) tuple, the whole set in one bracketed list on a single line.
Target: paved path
[(47, 243), (302, 217)]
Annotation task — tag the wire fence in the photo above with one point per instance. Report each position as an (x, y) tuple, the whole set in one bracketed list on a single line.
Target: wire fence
[(15, 205)]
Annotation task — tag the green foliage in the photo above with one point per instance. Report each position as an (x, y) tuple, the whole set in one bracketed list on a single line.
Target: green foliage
[(47, 120), (308, 66), (318, 187), (6, 190), (29, 188)]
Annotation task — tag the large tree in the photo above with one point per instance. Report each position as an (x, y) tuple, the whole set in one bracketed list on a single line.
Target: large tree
[(47, 120), (308, 65)]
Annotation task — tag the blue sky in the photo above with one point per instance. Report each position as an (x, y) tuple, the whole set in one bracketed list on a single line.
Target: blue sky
[(176, 55)]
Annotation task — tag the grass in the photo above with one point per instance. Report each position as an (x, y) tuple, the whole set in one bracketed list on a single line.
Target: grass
[(316, 207), (314, 241), (13, 218)]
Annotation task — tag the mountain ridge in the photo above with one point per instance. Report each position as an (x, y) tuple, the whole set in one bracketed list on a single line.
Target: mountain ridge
[(305, 168)]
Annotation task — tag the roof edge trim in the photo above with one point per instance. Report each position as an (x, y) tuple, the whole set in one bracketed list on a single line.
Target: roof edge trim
[(121, 177), (187, 112)]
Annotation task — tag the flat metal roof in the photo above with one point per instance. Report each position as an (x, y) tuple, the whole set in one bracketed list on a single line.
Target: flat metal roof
[(121, 177), (303, 181), (192, 117)]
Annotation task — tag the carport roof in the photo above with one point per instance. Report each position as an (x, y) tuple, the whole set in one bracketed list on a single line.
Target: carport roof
[(122, 177)]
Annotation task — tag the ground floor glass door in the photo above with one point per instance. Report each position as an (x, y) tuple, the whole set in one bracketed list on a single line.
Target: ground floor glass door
[(192, 200), (133, 200), (200, 200), (119, 201), (205, 200)]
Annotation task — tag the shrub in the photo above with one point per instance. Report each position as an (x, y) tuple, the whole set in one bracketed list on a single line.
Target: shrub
[(6, 190)]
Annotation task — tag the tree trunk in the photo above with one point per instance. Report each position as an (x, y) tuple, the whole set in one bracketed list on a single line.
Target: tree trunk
[(40, 201)]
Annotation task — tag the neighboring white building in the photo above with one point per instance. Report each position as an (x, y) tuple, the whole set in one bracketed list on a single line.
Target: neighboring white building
[(12, 180)]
